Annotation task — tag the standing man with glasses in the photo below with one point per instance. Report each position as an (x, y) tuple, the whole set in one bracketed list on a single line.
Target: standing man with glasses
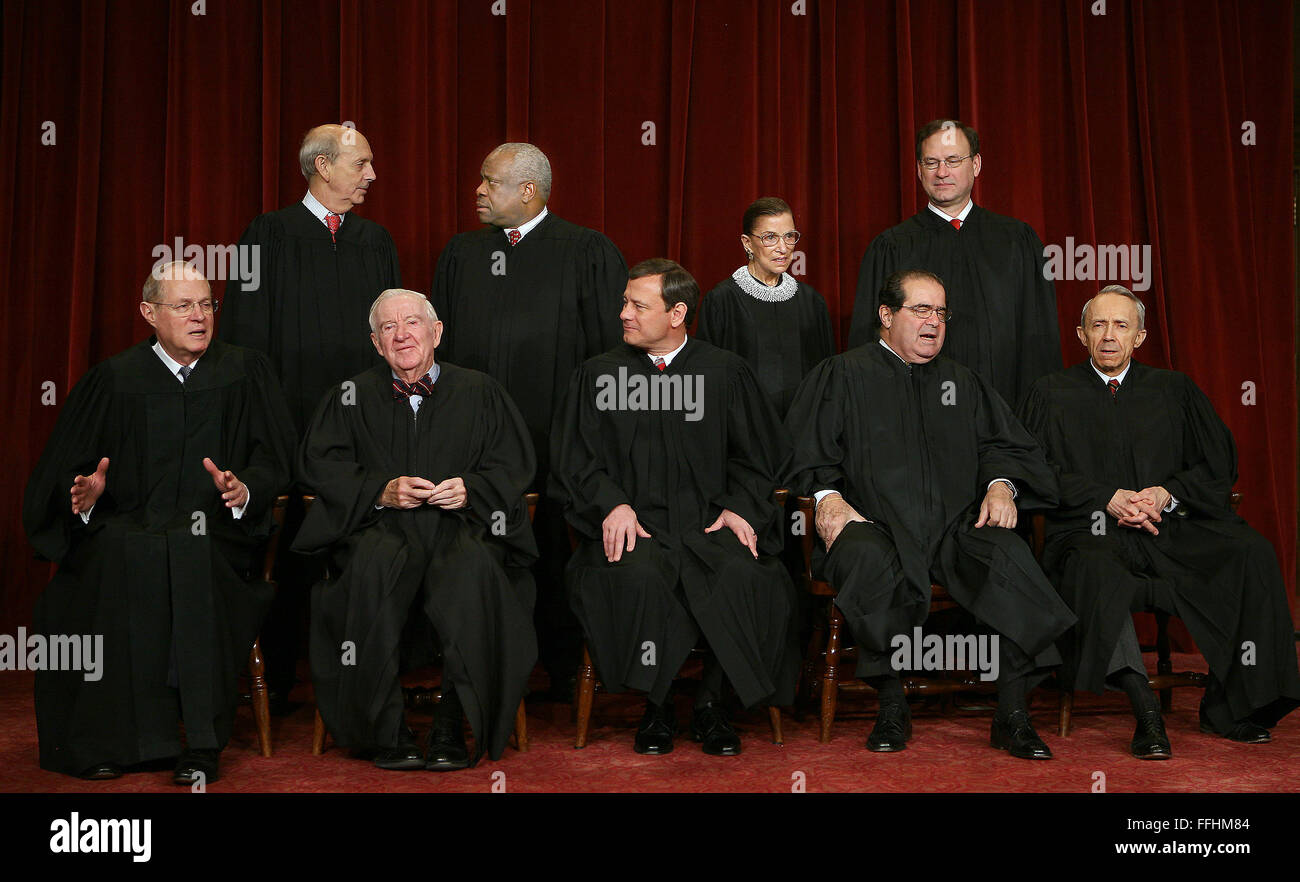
[(154, 496), (320, 267), (991, 265), (919, 469)]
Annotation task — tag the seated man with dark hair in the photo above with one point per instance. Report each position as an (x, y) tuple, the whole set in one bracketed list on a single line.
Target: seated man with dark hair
[(175, 451), (665, 456), (935, 462), (419, 471), (1146, 469)]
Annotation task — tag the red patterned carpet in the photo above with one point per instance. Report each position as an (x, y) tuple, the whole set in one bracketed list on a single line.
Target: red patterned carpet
[(947, 754)]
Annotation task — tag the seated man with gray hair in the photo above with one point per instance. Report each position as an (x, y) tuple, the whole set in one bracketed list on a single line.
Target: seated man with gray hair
[(419, 471), (154, 496), (1146, 469)]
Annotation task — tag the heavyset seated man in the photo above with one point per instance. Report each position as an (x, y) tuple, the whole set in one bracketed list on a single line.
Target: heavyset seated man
[(419, 470), (1146, 469), (154, 496), (918, 466), (665, 457)]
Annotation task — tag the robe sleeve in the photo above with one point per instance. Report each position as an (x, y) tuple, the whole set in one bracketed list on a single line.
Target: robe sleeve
[(1040, 333), (440, 295), (75, 448), (503, 472), (1079, 494), (757, 446), (246, 312), (825, 337), (712, 321), (880, 260), (330, 467), (815, 424), (392, 265), (1209, 470), (600, 296), (1008, 450), (272, 443), (579, 478)]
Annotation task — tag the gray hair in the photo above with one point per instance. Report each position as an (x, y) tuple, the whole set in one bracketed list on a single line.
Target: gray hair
[(168, 272), (429, 311), (528, 164), (321, 141), (1121, 290)]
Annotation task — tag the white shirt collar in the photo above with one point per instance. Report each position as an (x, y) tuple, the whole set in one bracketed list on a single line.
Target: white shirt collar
[(528, 227), (1105, 379), (970, 203), (668, 359), (890, 350), (318, 210), (416, 400), (172, 364)]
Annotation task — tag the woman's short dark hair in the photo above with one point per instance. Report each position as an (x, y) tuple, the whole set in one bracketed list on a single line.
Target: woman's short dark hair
[(892, 294), (767, 206), (677, 286)]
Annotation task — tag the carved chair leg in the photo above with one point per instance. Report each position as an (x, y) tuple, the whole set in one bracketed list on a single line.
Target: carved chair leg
[(521, 729), (774, 717), (829, 686), (586, 690), (318, 736), (1066, 708), (261, 703), (1164, 664)]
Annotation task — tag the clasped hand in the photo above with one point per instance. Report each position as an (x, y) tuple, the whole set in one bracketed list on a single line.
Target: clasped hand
[(1139, 509), (408, 492)]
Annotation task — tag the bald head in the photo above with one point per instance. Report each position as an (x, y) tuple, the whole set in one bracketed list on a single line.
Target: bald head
[(338, 165)]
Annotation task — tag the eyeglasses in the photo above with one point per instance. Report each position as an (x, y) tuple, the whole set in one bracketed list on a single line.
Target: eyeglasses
[(207, 307), (769, 238), (951, 162), (925, 310)]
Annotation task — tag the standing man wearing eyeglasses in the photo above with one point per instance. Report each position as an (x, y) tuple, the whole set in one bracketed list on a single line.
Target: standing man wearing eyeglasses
[(321, 265), (920, 469), (154, 497), (992, 266)]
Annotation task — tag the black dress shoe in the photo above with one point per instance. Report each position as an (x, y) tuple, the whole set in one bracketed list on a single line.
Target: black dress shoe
[(1016, 734), (1149, 739), (1243, 731), (709, 724), (446, 745), (101, 772), (405, 757), (195, 765), (655, 734), (892, 729)]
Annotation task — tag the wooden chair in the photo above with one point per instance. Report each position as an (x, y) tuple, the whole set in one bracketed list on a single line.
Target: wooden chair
[(1166, 678), (588, 681), (257, 691), (822, 663), (424, 696)]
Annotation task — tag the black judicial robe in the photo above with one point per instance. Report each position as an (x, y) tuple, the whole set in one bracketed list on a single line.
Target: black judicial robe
[(781, 340), (467, 569), (528, 315), (913, 448), (1004, 326), (1160, 430), (678, 476), (162, 570), (310, 310)]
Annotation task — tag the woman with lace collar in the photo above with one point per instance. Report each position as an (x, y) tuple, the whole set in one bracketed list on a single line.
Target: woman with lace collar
[(762, 313)]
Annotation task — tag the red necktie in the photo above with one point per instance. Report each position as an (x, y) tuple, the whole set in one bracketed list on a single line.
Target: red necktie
[(333, 221), (660, 363), (1114, 388), (956, 223), (514, 236)]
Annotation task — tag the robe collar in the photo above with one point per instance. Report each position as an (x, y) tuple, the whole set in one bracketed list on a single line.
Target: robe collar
[(947, 218), (173, 366), (1105, 379), (527, 228)]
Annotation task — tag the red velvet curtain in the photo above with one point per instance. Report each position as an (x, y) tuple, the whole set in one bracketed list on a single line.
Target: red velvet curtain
[(1109, 122)]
